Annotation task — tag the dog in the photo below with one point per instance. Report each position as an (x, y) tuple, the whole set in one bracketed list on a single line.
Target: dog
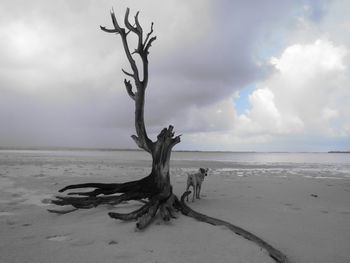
[(196, 180)]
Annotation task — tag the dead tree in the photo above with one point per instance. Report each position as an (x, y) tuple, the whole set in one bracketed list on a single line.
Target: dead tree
[(156, 187)]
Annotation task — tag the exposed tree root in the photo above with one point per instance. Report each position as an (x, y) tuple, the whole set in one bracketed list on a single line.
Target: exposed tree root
[(144, 220), (145, 214), (162, 200), (108, 189), (277, 255), (133, 215), (134, 190), (156, 187), (165, 202), (93, 201)]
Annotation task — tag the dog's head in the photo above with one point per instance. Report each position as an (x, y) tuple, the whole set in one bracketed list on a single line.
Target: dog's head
[(204, 171)]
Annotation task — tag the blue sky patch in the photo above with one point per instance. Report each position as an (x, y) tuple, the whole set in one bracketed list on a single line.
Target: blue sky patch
[(242, 103)]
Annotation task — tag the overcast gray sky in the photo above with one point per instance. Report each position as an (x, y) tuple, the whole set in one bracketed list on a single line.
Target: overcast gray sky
[(229, 75)]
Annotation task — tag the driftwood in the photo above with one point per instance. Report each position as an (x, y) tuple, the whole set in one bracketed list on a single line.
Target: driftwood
[(155, 187), (146, 213), (154, 190), (273, 252)]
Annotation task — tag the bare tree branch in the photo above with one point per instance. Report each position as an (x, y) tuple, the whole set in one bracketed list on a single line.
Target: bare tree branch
[(149, 44), (137, 30), (127, 23), (123, 35), (141, 138), (109, 30), (148, 35), (138, 26), (115, 23), (128, 87), (128, 74)]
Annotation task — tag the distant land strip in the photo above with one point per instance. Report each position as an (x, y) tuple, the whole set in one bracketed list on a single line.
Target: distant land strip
[(53, 148), (63, 148)]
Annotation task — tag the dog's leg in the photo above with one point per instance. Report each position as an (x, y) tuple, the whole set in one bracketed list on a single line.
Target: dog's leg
[(187, 188), (199, 191), (194, 191)]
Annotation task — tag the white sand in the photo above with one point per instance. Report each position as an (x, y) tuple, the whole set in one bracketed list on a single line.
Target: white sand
[(305, 217)]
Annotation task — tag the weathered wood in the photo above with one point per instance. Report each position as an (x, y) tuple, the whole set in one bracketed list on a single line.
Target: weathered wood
[(106, 189), (93, 201), (155, 187), (144, 220), (133, 215), (277, 255), (160, 187)]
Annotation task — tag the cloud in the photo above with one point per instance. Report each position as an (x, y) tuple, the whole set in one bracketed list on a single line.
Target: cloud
[(302, 95), (302, 104), (265, 117), (59, 72), (61, 84)]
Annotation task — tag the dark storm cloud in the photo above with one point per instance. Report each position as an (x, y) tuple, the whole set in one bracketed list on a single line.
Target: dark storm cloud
[(60, 78), (223, 59)]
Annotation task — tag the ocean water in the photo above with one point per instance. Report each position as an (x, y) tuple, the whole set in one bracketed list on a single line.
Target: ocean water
[(309, 165), (265, 157)]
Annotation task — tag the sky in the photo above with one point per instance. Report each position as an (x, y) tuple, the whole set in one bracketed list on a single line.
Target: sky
[(229, 75)]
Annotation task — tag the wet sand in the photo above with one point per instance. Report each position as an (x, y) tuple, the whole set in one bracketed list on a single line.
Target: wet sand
[(302, 212)]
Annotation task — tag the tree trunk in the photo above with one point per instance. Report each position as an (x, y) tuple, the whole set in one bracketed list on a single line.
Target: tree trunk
[(155, 187)]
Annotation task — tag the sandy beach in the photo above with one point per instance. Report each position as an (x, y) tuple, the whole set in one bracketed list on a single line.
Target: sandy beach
[(301, 211)]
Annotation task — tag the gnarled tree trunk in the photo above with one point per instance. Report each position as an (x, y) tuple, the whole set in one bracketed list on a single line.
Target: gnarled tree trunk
[(155, 187)]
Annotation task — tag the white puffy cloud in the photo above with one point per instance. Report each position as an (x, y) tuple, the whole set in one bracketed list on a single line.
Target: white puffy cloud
[(302, 95), (303, 104), (265, 117)]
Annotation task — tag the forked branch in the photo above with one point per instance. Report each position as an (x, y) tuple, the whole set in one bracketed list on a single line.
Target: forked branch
[(148, 35), (128, 87), (142, 50), (156, 187)]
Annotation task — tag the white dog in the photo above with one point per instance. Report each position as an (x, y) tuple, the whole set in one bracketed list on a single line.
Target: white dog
[(196, 180)]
